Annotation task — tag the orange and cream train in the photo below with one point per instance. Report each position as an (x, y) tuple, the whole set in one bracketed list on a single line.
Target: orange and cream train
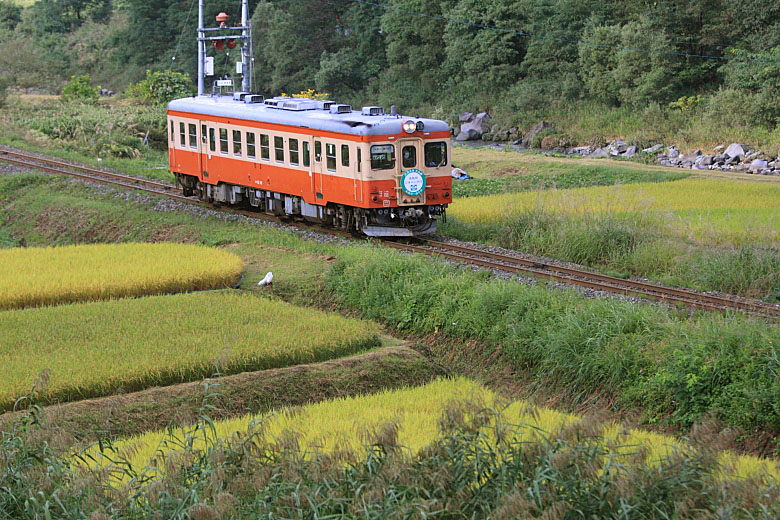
[(368, 172)]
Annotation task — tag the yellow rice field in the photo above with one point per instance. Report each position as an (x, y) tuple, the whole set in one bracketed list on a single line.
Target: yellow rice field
[(32, 277), (701, 207), (93, 349), (347, 424)]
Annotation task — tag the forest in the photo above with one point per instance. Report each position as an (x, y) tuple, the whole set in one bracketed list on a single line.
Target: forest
[(520, 60)]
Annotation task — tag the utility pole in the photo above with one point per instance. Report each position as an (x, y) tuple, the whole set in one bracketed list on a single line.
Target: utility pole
[(218, 39), (246, 48), (201, 50)]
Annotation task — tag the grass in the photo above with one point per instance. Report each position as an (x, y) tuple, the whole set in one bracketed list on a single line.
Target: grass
[(85, 350), (48, 276), (348, 424)]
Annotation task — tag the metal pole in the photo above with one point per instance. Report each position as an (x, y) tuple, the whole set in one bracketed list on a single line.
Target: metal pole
[(201, 50), (246, 77)]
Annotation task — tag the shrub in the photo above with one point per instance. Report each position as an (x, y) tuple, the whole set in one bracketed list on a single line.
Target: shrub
[(161, 87), (4, 82), (78, 89)]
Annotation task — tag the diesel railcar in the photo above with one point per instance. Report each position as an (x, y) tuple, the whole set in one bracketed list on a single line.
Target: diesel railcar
[(363, 171)]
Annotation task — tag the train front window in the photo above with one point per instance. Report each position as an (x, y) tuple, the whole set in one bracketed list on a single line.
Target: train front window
[(294, 152), (435, 155), (409, 154), (330, 153), (279, 148), (212, 140), (382, 157), (223, 140), (265, 147), (250, 145), (193, 136), (236, 142), (306, 157)]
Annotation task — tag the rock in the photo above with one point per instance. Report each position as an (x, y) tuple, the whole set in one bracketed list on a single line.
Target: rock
[(465, 117), (705, 160), (600, 152), (665, 162), (528, 138), (700, 167), (692, 156), (580, 150), (718, 148), (630, 151), (752, 155), (758, 164), (617, 147), (654, 148), (687, 164), (672, 152), (474, 129), (733, 160), (735, 150)]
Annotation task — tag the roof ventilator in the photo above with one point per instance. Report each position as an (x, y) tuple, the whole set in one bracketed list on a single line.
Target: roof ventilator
[(340, 109), (298, 104), (239, 96), (253, 98), (325, 105), (373, 111)]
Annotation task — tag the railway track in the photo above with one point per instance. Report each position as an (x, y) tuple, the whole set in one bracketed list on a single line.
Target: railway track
[(468, 255)]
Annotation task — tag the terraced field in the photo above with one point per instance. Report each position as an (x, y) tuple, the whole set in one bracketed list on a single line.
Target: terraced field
[(35, 276), (349, 424), (93, 349)]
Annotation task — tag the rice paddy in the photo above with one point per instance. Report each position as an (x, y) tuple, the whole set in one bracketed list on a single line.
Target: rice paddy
[(92, 349), (709, 210), (33, 277), (349, 424)]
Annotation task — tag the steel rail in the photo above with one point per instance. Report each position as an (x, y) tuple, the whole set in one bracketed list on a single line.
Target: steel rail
[(454, 252)]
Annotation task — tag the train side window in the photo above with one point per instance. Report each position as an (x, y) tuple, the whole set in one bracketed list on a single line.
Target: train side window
[(345, 155), (294, 152), (409, 154), (265, 147), (435, 155), (204, 133), (279, 148), (306, 158), (250, 145), (193, 135), (382, 157), (359, 158), (182, 134), (212, 140), (173, 132), (223, 140), (237, 142), (317, 151), (330, 154)]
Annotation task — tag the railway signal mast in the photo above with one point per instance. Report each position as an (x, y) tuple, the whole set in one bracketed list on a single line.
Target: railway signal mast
[(222, 36)]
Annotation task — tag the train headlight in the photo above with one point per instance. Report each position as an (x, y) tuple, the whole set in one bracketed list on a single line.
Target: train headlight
[(409, 127)]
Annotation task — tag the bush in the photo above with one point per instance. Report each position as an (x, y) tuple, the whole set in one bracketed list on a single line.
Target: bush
[(78, 89), (161, 87), (3, 90)]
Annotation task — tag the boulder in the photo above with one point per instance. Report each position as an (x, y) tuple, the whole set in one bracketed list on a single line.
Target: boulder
[(735, 150), (580, 150), (653, 149), (600, 152), (465, 117), (733, 160), (474, 129), (692, 156), (758, 164), (752, 155), (528, 138), (718, 148), (630, 151), (617, 147), (672, 152), (705, 160)]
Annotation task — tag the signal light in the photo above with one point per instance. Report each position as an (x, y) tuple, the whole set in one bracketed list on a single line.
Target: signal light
[(231, 44), (219, 44), (420, 126)]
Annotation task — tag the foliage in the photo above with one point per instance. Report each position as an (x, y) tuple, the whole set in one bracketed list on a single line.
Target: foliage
[(4, 82), (161, 87), (576, 345), (10, 15), (79, 89), (96, 349), (47, 276), (309, 94), (344, 425)]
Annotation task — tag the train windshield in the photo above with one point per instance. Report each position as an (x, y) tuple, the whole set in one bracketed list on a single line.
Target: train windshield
[(383, 157), (435, 155)]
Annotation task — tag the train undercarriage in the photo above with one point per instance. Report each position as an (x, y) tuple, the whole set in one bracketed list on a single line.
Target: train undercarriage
[(405, 221)]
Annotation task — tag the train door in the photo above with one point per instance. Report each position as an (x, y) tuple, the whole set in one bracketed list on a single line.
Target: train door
[(410, 157), (208, 147), (317, 169), (358, 174)]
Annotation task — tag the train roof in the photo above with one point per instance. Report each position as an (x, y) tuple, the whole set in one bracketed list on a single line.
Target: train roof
[(306, 113)]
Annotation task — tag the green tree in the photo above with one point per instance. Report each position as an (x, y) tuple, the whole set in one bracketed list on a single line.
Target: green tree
[(79, 89), (614, 71), (10, 15), (162, 87)]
